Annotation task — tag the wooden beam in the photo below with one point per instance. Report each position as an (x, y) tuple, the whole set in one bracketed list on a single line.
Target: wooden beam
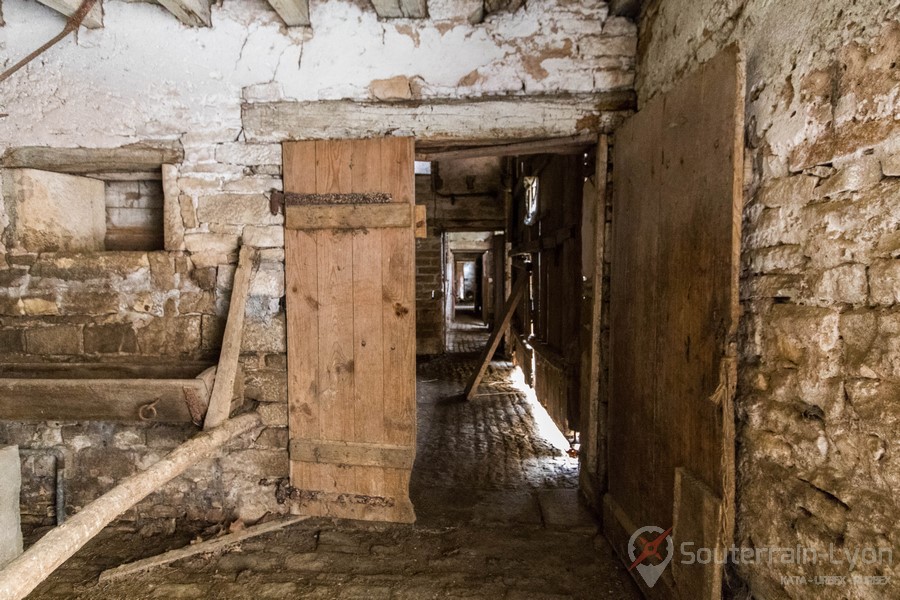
[(401, 9), (143, 156), (499, 328), (227, 370), (353, 453), (574, 144), (348, 216), (217, 544), (93, 20), (127, 400), (26, 572), (193, 13), (488, 120), (294, 13)]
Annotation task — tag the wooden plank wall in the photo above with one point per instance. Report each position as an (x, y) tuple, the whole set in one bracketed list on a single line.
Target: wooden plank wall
[(351, 325), (673, 317), (553, 245)]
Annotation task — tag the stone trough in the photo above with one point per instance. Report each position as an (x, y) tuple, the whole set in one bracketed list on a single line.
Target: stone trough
[(161, 392)]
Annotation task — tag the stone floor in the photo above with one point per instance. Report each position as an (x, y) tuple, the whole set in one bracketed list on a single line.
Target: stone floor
[(498, 518), (467, 334)]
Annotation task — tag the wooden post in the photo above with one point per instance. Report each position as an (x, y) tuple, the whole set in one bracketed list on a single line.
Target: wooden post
[(223, 386), (24, 574), (494, 341)]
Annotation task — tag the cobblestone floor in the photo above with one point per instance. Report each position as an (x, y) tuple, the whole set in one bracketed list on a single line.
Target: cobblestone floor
[(497, 518), (467, 335)]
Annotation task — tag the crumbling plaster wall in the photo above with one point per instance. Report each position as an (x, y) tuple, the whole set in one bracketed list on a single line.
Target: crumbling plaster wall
[(818, 400), (145, 78)]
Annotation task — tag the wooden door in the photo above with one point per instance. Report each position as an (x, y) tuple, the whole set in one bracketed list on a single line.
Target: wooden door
[(677, 177), (350, 267)]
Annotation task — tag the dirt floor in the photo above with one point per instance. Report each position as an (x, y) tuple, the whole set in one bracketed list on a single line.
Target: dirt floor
[(498, 518)]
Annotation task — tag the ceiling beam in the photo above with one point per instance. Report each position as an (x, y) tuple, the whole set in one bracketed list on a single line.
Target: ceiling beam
[(401, 9), (294, 13), (566, 145), (93, 20), (193, 13)]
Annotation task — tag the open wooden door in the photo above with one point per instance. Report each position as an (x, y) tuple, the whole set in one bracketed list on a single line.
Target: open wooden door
[(677, 177), (350, 269)]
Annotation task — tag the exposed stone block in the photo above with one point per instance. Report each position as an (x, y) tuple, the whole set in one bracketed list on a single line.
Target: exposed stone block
[(843, 284), (197, 303), (890, 166), (109, 339), (395, 88), (264, 336), (884, 282), (52, 212), (205, 278), (12, 341), (173, 222), (80, 302), (212, 332), (188, 212), (86, 267), (856, 175), (218, 243), (39, 307), (237, 209), (249, 154), (274, 414), (171, 336), (54, 340), (802, 336), (265, 386), (273, 437), (264, 237), (268, 281), (787, 191)]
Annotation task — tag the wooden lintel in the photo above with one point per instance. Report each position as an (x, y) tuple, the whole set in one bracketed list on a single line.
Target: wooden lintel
[(401, 9), (294, 13), (352, 453), (574, 144), (193, 13), (128, 400), (473, 121), (93, 20), (348, 216), (144, 156)]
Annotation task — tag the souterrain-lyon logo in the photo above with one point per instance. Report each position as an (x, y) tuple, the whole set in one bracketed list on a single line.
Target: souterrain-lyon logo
[(651, 549)]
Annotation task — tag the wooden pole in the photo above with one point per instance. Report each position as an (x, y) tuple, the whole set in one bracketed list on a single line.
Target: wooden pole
[(494, 341), (223, 386), (24, 574)]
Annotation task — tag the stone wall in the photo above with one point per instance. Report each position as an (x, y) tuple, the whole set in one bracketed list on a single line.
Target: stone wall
[(818, 397), (145, 85)]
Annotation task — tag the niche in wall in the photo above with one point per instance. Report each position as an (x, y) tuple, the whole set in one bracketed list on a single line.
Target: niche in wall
[(58, 212)]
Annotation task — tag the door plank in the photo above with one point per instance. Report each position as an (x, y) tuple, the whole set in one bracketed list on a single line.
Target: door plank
[(398, 299), (335, 267), (674, 315), (368, 330), (302, 304)]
